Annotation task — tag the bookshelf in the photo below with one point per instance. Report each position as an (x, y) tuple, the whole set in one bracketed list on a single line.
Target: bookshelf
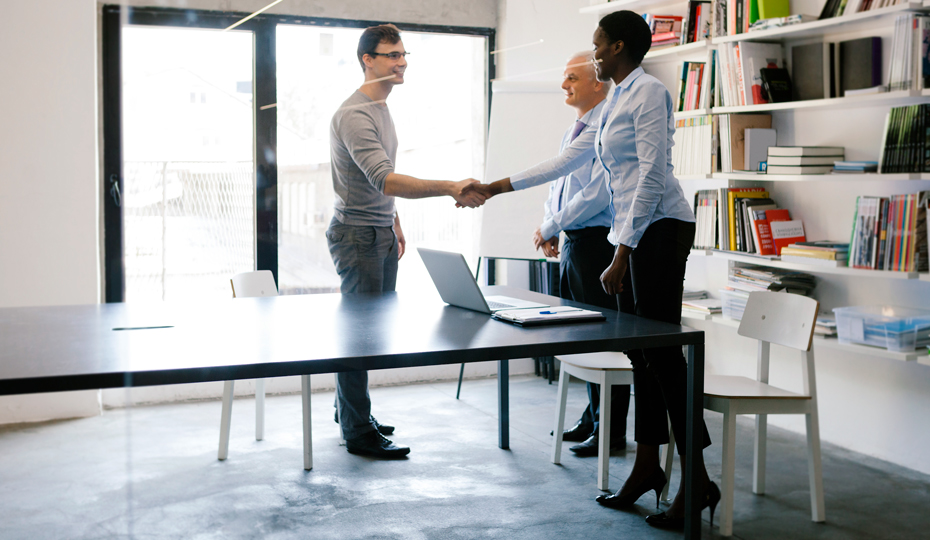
[(865, 177), (692, 113), (669, 53), (920, 355), (891, 99), (847, 23), (813, 268), (633, 5)]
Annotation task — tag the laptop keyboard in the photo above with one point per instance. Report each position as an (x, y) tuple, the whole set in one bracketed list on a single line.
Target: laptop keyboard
[(498, 305)]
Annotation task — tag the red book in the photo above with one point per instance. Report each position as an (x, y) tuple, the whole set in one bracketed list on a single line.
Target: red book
[(763, 235), (787, 232), (664, 36)]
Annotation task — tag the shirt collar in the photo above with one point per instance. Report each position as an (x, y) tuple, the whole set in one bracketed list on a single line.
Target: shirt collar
[(593, 114), (625, 83)]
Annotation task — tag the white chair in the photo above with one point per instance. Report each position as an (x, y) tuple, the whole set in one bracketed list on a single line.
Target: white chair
[(606, 369), (246, 285), (787, 320)]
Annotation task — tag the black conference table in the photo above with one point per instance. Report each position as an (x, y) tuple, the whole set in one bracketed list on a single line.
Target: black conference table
[(62, 348)]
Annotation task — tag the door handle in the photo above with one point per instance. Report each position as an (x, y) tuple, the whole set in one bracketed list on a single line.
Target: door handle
[(114, 189)]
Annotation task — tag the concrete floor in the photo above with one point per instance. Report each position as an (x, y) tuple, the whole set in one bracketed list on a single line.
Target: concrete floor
[(152, 472)]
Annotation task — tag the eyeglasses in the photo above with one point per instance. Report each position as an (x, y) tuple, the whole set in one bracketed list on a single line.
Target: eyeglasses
[(395, 56)]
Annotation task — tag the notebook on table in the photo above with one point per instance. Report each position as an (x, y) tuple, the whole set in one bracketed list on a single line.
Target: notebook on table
[(550, 315), (457, 287)]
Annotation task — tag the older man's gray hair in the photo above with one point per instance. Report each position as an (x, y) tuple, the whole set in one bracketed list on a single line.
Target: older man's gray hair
[(588, 56)]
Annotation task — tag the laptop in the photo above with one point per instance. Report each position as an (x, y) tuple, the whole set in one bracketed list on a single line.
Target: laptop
[(457, 287)]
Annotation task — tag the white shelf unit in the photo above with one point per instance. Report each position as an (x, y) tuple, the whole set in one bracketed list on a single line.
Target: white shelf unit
[(919, 355), (669, 53), (899, 97), (695, 177), (632, 5), (814, 268), (867, 177), (692, 113), (847, 23)]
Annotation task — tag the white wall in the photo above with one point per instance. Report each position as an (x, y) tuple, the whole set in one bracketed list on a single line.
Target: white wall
[(48, 173), (868, 404)]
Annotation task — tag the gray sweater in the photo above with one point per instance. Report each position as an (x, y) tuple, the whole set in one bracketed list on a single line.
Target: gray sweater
[(363, 147)]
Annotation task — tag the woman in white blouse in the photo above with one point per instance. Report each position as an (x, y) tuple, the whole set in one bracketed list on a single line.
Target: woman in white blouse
[(653, 230)]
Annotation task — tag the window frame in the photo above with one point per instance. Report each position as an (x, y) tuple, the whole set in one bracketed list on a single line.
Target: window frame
[(264, 121)]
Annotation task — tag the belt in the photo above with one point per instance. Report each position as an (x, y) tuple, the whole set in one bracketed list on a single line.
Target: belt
[(588, 232)]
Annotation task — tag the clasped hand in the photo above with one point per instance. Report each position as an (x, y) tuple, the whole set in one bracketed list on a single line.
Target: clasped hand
[(470, 193)]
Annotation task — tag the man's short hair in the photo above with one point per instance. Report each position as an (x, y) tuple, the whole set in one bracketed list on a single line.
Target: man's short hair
[(588, 56), (632, 30), (373, 36)]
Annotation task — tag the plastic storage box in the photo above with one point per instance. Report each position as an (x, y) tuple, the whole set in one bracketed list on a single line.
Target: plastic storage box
[(734, 303), (889, 327)]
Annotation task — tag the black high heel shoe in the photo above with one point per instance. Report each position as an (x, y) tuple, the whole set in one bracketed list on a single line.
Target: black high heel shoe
[(664, 521), (655, 482)]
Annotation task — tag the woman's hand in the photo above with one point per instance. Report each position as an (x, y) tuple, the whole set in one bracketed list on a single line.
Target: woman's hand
[(612, 277)]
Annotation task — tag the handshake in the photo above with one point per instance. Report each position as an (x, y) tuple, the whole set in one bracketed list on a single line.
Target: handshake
[(471, 193)]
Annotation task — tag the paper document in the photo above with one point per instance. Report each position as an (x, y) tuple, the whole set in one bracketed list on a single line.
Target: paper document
[(550, 315)]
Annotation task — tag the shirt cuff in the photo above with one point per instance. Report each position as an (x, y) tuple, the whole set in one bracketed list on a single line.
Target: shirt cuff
[(518, 181), (628, 237), (549, 229)]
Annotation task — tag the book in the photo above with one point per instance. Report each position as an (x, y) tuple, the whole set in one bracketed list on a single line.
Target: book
[(814, 253), (753, 57), (813, 71), (731, 209), (704, 305), (786, 232), (812, 260), (801, 169), (758, 141), (777, 84), (860, 64), (733, 137), (763, 233), (549, 315), (770, 9), (822, 161), (806, 151)]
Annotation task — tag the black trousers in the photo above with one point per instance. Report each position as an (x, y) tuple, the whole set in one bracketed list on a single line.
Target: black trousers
[(653, 287), (585, 255)]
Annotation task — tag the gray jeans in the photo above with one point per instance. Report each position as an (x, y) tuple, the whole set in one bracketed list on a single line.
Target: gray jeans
[(366, 261)]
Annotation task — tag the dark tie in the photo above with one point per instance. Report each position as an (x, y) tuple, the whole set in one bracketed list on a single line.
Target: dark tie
[(556, 204)]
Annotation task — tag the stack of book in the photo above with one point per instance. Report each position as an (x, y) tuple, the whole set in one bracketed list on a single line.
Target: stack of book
[(690, 294), (823, 252), (695, 86), (837, 8), (666, 29), (740, 72), (803, 159), (750, 278), (855, 167), (704, 306), (825, 325), (694, 152), (904, 144), (778, 22), (745, 220), (909, 69), (890, 233), (732, 136), (697, 25)]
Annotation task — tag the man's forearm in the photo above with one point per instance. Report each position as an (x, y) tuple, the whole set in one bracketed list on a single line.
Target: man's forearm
[(409, 187)]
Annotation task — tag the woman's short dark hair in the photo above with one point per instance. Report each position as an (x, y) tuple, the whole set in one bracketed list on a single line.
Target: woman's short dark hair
[(373, 36), (632, 30)]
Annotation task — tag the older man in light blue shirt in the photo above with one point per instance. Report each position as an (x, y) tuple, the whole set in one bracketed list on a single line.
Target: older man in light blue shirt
[(579, 204)]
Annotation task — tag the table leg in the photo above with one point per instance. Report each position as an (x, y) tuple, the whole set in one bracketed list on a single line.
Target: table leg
[(308, 433), (694, 440), (503, 404)]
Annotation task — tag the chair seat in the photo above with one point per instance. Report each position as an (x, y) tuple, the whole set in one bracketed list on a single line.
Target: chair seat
[(733, 387), (603, 361)]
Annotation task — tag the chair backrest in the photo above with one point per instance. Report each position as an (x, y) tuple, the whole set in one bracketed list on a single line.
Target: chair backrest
[(250, 284), (781, 318)]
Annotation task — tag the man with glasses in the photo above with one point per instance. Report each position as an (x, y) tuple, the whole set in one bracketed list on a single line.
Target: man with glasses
[(365, 238)]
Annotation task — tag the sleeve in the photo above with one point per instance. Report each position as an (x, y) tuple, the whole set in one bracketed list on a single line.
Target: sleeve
[(649, 113), (592, 199), (575, 155), (360, 136)]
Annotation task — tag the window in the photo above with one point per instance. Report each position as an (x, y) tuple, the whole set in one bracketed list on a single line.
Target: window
[(199, 188)]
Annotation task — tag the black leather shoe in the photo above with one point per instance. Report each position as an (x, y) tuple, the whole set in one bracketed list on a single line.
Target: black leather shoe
[(576, 433), (382, 428), (655, 482), (376, 445), (589, 447)]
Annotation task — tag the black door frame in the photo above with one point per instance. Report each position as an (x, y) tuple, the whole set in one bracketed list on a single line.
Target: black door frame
[(264, 121)]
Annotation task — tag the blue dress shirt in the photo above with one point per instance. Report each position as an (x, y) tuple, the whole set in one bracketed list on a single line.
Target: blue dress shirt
[(585, 196), (634, 144)]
